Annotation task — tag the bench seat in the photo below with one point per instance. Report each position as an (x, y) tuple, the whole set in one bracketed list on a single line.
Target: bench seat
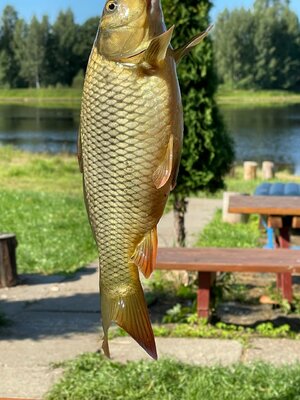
[(210, 260)]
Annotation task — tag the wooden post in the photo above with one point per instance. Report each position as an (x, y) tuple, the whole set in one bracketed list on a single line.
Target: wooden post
[(284, 281), (232, 218), (8, 265), (268, 170), (203, 294), (250, 170)]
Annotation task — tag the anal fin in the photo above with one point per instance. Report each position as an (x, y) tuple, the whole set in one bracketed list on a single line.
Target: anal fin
[(163, 172), (145, 253)]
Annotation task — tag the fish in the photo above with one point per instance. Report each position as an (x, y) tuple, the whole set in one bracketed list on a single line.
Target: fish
[(129, 146)]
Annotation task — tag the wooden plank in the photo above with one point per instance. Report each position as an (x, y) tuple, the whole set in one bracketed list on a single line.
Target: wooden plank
[(265, 205), (229, 260), (296, 223), (275, 222)]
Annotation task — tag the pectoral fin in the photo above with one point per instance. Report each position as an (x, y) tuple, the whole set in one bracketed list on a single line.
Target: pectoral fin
[(157, 50), (163, 172), (182, 51), (145, 253)]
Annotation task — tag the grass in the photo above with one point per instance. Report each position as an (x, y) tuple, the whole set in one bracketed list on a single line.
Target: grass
[(92, 377), (256, 97), (222, 234), (239, 98), (41, 201), (20, 170), (41, 95), (52, 230)]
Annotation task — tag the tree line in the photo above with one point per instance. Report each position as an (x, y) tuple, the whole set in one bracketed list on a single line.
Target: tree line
[(39, 54), (258, 48), (253, 49)]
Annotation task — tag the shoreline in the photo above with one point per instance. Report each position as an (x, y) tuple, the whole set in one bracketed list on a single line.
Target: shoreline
[(224, 97)]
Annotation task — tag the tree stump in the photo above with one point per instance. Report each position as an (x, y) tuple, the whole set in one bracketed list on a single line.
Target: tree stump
[(250, 170), (8, 264), (268, 170), (232, 218)]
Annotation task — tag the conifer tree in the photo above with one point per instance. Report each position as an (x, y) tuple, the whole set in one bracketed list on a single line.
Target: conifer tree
[(207, 149)]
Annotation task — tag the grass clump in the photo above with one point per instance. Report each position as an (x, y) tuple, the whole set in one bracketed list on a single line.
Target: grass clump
[(41, 201), (92, 377), (223, 234), (193, 327), (52, 230)]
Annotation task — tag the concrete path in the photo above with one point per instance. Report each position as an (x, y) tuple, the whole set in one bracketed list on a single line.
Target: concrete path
[(55, 319)]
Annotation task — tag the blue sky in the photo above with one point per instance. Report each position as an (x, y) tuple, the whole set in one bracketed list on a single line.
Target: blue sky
[(89, 8)]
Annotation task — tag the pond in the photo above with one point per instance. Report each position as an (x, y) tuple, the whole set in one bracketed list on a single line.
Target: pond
[(260, 133), (266, 133)]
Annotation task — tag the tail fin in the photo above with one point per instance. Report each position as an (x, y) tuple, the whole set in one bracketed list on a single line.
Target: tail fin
[(130, 313)]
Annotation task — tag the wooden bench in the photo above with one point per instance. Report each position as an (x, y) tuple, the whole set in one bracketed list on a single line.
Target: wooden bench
[(207, 261)]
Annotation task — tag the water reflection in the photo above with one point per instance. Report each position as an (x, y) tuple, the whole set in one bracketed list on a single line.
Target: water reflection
[(39, 129), (260, 133), (271, 133)]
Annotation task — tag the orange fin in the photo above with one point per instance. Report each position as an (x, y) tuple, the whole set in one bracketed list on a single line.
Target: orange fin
[(163, 172), (158, 48), (130, 312), (182, 51), (145, 253)]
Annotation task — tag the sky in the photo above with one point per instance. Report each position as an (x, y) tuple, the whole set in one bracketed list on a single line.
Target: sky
[(90, 8)]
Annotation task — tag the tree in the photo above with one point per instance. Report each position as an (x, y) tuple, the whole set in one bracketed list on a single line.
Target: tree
[(86, 36), (234, 49), (8, 64), (30, 48), (277, 38), (260, 48), (65, 38), (207, 149)]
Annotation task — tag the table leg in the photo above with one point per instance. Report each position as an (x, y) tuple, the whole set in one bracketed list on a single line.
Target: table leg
[(203, 294), (284, 281)]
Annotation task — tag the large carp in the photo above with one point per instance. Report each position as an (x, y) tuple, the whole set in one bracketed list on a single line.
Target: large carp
[(129, 152)]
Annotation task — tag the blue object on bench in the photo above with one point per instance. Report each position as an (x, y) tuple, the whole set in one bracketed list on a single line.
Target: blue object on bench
[(276, 189)]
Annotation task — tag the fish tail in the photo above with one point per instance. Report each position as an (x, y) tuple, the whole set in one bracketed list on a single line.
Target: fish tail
[(130, 313)]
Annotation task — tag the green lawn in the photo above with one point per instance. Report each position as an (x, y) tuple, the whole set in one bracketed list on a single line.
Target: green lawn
[(55, 94), (222, 234), (41, 201), (224, 96), (256, 97), (91, 377)]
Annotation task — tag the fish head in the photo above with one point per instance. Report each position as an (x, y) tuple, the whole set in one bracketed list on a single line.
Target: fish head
[(127, 26)]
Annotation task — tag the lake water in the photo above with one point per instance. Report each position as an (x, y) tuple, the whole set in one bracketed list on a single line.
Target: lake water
[(260, 133)]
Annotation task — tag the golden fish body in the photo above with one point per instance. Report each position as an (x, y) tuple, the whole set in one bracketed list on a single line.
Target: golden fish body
[(129, 149)]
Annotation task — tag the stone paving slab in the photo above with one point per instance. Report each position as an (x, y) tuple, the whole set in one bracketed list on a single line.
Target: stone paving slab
[(25, 365), (274, 351), (202, 352), (199, 213)]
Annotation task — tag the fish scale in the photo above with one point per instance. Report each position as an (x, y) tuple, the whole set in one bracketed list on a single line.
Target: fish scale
[(118, 142)]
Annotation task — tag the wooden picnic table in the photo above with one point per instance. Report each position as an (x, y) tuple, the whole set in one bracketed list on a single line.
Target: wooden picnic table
[(208, 261), (281, 212)]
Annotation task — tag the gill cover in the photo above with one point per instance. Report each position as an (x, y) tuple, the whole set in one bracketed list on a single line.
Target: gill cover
[(124, 27)]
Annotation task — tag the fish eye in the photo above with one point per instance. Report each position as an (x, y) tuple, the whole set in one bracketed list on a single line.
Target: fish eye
[(111, 6)]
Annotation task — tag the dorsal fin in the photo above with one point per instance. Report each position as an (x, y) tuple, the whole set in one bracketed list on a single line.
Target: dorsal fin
[(158, 47), (182, 51)]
